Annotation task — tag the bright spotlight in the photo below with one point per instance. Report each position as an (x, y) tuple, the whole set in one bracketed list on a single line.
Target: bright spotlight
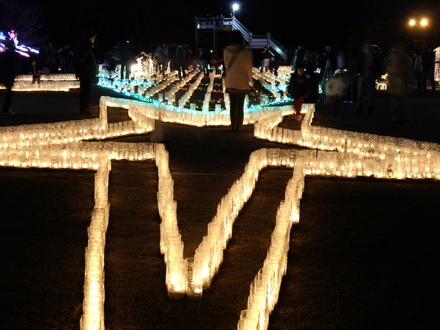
[(412, 22), (235, 7), (424, 22)]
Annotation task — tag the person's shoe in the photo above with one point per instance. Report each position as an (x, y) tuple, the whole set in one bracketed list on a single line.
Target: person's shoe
[(86, 112), (9, 113)]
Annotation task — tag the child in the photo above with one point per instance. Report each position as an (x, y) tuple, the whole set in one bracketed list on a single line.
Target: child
[(36, 74)]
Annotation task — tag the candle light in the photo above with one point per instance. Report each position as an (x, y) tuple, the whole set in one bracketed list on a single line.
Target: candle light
[(341, 153)]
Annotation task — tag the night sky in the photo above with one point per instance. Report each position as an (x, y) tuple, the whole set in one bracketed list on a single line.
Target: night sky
[(148, 23)]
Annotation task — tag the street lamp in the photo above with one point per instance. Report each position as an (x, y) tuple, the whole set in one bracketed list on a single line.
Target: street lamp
[(419, 26), (422, 22), (235, 7)]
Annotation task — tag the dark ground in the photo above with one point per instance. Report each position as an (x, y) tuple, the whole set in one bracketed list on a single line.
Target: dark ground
[(364, 255)]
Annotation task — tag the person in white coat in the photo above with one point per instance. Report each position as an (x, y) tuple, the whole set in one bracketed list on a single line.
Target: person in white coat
[(238, 65)]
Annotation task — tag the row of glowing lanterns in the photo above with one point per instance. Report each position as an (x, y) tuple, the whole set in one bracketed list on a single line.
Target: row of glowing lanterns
[(333, 152), (162, 88)]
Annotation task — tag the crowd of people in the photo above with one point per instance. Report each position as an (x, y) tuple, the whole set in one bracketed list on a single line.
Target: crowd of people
[(327, 75), (354, 79)]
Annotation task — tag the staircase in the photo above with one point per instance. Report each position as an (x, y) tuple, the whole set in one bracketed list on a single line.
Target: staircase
[(229, 24)]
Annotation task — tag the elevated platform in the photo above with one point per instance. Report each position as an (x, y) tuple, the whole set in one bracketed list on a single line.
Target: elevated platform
[(225, 24)]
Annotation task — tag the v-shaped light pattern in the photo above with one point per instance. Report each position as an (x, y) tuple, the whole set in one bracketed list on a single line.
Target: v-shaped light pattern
[(333, 152)]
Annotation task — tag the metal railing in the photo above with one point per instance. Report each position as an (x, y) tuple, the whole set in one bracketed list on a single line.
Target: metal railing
[(260, 41), (255, 41)]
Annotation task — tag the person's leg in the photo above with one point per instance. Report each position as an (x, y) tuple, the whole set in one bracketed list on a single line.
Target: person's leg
[(127, 70), (84, 94), (396, 105), (7, 102), (371, 95), (360, 95), (297, 105), (233, 110), (239, 112), (179, 72), (123, 69), (419, 81), (424, 78), (182, 67), (432, 82)]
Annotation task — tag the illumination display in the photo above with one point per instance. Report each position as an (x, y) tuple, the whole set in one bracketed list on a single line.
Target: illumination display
[(437, 64), (21, 49), (331, 152), (148, 87), (63, 82)]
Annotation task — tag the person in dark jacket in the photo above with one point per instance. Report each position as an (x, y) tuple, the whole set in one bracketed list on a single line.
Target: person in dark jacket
[(85, 69), (179, 61), (126, 54), (428, 65), (9, 61), (369, 68), (298, 88)]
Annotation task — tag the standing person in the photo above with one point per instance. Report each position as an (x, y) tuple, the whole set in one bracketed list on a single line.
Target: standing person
[(161, 57), (171, 51), (265, 60), (398, 63), (238, 63), (428, 63), (327, 64), (52, 58), (369, 67), (312, 94), (9, 61), (65, 55), (179, 61), (276, 63), (85, 69), (298, 88), (418, 70), (299, 57), (36, 72), (203, 56), (126, 54)]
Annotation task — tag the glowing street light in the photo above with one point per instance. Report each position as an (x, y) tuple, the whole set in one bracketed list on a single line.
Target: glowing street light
[(235, 7), (423, 22), (419, 27)]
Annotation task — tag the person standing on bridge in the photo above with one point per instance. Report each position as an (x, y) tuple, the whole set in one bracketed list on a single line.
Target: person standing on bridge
[(238, 67)]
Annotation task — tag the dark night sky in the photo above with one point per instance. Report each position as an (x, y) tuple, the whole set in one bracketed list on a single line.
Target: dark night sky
[(147, 23)]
